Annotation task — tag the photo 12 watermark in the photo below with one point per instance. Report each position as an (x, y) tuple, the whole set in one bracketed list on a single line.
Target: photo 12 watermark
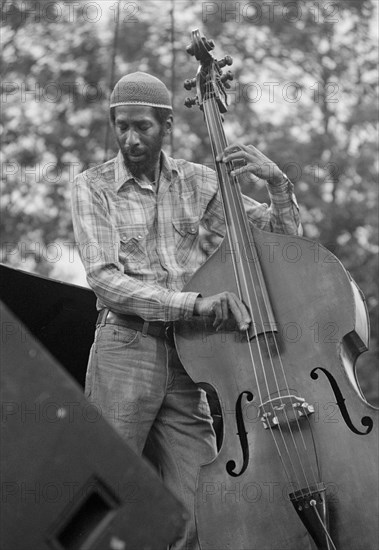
[(71, 12), (270, 12)]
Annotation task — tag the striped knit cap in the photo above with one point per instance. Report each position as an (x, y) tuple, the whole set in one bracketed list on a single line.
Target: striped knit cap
[(140, 89)]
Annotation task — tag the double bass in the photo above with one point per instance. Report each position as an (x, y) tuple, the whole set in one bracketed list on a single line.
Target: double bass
[(296, 467)]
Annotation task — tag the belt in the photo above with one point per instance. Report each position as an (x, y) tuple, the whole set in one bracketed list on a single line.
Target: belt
[(158, 329)]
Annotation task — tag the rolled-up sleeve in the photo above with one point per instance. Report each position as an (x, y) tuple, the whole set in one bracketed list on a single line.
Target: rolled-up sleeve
[(281, 216)]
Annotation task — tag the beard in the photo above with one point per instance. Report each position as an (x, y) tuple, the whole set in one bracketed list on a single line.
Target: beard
[(148, 162)]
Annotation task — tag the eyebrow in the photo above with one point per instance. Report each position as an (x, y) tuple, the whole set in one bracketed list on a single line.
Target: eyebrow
[(122, 120)]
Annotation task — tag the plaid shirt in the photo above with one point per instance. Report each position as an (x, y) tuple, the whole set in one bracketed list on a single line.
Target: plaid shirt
[(139, 247)]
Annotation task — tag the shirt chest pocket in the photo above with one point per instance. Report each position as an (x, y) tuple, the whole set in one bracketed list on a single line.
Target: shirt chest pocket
[(186, 238), (133, 243)]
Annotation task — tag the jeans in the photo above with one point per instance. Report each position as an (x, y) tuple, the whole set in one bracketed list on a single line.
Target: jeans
[(142, 389)]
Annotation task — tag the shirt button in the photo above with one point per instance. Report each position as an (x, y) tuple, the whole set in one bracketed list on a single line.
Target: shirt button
[(193, 230), (139, 236)]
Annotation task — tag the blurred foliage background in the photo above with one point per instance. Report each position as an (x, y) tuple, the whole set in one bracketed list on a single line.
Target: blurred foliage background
[(305, 93)]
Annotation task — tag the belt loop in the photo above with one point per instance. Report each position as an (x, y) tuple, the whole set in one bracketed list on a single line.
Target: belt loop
[(145, 328), (104, 317)]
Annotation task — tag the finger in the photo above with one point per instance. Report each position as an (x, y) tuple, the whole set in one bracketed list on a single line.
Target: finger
[(250, 168), (227, 151), (240, 313), (234, 152), (218, 316), (233, 148), (250, 154), (244, 155), (239, 171), (224, 310), (236, 156), (253, 151), (250, 150)]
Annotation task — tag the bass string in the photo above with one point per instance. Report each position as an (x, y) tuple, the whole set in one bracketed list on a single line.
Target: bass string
[(214, 124), (211, 118), (282, 370), (237, 197), (215, 116), (230, 204)]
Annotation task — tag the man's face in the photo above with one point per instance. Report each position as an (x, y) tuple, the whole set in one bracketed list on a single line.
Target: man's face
[(140, 137)]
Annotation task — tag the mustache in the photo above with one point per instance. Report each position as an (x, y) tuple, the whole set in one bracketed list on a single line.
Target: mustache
[(136, 150)]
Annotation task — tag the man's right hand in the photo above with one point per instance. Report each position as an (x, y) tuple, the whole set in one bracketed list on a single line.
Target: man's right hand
[(223, 307)]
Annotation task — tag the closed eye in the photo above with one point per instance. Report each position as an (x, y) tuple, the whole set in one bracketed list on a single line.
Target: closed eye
[(144, 126)]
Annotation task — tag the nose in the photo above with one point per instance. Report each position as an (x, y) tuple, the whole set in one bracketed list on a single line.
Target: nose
[(132, 138)]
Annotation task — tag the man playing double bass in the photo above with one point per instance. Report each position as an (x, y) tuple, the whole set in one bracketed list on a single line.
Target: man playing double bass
[(138, 222)]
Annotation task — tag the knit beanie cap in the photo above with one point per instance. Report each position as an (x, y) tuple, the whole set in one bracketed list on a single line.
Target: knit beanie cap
[(140, 89)]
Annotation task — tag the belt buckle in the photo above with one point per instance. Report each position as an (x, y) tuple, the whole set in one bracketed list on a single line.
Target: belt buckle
[(145, 328)]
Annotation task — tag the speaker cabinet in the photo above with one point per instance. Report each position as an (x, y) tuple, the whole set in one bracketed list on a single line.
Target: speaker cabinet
[(68, 481), (61, 316)]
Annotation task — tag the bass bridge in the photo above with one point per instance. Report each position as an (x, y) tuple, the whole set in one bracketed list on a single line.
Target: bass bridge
[(283, 410)]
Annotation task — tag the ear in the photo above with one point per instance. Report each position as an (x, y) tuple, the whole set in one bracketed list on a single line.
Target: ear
[(169, 125)]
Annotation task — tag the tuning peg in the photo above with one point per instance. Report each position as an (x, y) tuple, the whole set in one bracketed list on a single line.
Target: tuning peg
[(225, 77), (190, 83), (190, 101), (227, 60), (209, 44)]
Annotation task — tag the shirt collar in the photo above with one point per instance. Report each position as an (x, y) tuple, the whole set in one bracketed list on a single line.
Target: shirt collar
[(123, 175)]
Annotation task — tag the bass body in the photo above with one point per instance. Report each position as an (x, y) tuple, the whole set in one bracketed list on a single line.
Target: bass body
[(297, 465)]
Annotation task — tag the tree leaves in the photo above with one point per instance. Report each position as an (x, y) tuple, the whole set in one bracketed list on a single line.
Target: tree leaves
[(305, 92)]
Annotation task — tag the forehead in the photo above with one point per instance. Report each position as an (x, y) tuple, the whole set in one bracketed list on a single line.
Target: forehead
[(134, 112)]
